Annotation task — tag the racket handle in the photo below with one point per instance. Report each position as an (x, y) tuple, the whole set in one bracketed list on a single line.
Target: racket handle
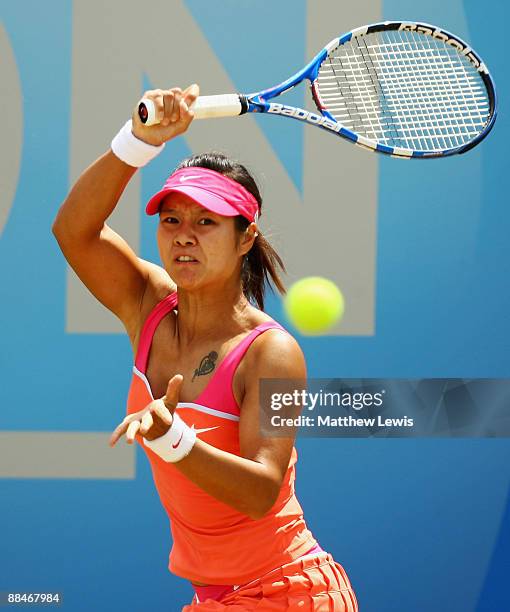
[(205, 107), (209, 107)]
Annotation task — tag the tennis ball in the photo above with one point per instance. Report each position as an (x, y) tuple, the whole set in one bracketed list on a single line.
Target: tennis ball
[(314, 304)]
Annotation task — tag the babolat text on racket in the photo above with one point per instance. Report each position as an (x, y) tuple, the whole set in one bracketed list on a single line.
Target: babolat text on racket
[(401, 88)]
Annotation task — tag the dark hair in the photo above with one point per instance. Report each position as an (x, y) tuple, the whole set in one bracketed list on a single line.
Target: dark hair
[(261, 263)]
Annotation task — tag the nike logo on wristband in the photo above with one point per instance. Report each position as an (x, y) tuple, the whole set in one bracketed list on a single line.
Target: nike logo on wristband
[(176, 445)]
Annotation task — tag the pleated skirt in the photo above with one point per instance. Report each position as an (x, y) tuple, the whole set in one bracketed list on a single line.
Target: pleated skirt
[(312, 583)]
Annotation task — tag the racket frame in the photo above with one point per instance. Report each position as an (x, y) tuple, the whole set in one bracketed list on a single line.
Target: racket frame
[(231, 105), (260, 102)]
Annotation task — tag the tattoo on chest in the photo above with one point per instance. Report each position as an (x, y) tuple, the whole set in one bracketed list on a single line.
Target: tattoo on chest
[(207, 365)]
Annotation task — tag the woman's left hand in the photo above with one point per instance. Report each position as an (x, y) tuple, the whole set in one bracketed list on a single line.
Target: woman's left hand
[(154, 420)]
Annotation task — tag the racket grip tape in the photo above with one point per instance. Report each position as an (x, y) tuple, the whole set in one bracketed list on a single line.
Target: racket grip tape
[(205, 107)]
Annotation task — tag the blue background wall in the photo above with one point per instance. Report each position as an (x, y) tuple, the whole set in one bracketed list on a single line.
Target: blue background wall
[(418, 524)]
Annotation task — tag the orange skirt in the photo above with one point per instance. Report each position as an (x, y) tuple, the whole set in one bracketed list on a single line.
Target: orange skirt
[(311, 583)]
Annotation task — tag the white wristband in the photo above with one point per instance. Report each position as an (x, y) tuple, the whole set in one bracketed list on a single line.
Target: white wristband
[(176, 443), (131, 150)]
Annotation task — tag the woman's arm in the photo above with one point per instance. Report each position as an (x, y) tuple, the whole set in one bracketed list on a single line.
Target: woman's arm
[(251, 482), (105, 263)]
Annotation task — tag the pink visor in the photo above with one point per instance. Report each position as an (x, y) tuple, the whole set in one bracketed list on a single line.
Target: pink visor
[(210, 189)]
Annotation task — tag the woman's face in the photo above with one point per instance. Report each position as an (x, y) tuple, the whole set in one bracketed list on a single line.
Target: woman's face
[(197, 247)]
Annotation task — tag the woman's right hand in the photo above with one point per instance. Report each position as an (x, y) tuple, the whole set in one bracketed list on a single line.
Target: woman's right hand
[(172, 111)]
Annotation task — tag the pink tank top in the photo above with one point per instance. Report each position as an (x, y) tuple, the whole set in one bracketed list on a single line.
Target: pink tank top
[(212, 542)]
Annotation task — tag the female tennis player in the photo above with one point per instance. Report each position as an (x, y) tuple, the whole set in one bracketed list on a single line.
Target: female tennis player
[(202, 342)]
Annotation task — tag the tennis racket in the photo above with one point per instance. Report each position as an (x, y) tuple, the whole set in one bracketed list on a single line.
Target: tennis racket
[(401, 88)]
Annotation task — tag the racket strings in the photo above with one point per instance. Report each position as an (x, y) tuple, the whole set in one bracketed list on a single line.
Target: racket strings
[(404, 89), (435, 100)]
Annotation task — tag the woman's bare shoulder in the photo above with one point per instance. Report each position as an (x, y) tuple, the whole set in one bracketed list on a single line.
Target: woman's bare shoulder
[(257, 316), (273, 345), (159, 285)]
